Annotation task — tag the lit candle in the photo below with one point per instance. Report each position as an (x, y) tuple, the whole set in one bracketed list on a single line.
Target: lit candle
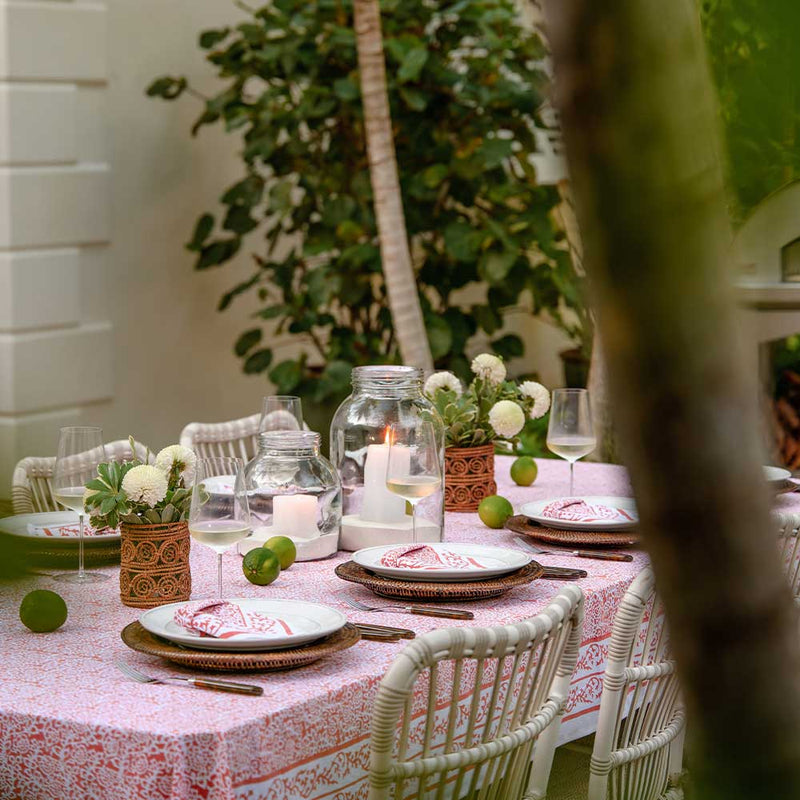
[(295, 515), (381, 505)]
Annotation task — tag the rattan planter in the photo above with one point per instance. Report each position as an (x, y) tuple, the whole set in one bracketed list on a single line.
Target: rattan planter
[(468, 476), (154, 564)]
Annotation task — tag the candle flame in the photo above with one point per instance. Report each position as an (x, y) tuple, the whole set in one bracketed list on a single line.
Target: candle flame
[(388, 437)]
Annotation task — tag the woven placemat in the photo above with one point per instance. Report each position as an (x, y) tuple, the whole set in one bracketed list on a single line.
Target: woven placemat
[(141, 640), (521, 524), (438, 592)]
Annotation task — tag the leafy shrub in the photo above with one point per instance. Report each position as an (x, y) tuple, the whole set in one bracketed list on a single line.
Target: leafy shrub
[(465, 85)]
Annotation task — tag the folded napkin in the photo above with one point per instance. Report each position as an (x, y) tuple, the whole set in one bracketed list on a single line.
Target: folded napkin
[(227, 620), (422, 556), (576, 510), (70, 530)]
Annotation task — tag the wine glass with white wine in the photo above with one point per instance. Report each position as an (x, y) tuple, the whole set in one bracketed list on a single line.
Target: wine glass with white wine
[(219, 516), (570, 433), (413, 470), (80, 450)]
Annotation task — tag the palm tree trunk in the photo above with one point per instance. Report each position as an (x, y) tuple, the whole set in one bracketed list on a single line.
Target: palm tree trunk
[(409, 327), (640, 131)]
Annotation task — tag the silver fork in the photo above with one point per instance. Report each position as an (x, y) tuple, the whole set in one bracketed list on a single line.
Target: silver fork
[(600, 555), (424, 611), (198, 683)]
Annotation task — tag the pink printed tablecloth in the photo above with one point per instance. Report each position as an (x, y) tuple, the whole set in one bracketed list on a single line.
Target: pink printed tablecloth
[(72, 727)]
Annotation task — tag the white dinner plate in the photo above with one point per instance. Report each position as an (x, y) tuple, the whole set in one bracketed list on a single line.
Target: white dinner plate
[(776, 474), (307, 621), (45, 527), (471, 562), (626, 518)]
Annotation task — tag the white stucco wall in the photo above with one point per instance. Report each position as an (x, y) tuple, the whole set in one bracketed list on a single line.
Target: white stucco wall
[(102, 318)]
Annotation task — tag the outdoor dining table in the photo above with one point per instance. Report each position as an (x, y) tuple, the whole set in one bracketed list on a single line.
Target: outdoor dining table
[(72, 726)]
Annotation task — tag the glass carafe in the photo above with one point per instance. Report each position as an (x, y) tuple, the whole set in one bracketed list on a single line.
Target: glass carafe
[(292, 489), (382, 397)]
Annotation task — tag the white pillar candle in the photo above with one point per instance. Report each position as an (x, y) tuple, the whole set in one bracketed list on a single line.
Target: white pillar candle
[(295, 515), (381, 505)]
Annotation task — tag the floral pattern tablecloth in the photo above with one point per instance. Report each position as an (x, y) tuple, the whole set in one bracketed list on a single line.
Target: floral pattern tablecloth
[(71, 726)]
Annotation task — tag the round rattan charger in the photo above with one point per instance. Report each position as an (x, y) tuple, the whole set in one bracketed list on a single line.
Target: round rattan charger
[(438, 592), (141, 640), (521, 524)]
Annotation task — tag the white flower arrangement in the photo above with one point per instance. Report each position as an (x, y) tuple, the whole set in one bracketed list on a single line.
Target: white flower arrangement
[(139, 493), (490, 408), (443, 380), (506, 418)]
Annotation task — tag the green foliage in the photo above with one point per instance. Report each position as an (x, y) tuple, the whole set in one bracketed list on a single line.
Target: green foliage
[(465, 84), (755, 62), (108, 504)]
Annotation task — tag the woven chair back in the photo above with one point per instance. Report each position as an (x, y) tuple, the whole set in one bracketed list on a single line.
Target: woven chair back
[(461, 711), (639, 742), (32, 482), (234, 439)]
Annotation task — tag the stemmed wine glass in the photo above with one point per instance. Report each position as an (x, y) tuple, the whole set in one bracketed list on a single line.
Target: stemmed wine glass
[(570, 433), (281, 412), (219, 515), (413, 470), (80, 450)]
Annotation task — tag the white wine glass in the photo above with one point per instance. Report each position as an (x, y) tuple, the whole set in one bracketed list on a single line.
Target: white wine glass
[(413, 469), (80, 450), (219, 515), (570, 433), (281, 412)]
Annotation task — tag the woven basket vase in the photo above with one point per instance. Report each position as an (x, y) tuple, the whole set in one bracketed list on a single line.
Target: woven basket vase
[(468, 476), (154, 564)]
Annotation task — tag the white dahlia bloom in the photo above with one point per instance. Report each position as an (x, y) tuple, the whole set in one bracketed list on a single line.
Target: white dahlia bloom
[(176, 455), (540, 396), (443, 380), (507, 418), (490, 368), (145, 484)]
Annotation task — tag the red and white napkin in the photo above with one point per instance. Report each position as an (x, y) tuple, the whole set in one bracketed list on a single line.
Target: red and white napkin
[(576, 510), (227, 620), (422, 556), (68, 531)]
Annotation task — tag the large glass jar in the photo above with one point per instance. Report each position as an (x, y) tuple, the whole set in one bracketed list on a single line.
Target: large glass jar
[(293, 490), (382, 396)]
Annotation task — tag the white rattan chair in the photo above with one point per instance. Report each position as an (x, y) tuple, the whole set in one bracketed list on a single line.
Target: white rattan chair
[(638, 747), (31, 484), (485, 697), (236, 439), (789, 541)]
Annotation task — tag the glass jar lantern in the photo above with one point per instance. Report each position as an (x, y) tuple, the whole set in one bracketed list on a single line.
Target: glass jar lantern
[(294, 491), (382, 396)]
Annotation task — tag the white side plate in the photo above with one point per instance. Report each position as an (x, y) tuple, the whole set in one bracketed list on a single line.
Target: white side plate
[(27, 526), (308, 622), (479, 562), (776, 474), (626, 505)]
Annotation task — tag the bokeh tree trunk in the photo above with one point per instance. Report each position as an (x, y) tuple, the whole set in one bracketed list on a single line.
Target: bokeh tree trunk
[(640, 130), (606, 449), (401, 285)]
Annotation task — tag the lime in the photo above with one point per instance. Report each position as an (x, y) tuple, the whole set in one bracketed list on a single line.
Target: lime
[(43, 611), (494, 511), (284, 548), (524, 471), (261, 566)]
